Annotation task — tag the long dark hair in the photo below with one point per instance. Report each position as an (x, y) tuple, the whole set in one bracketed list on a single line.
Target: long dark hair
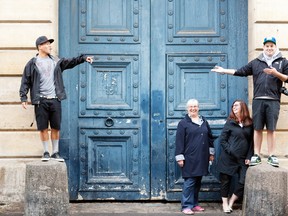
[(244, 113)]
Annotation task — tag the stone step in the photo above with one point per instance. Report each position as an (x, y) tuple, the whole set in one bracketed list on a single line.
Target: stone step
[(283, 161)]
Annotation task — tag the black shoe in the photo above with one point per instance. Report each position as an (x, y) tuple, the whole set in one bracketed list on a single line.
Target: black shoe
[(45, 157), (57, 157)]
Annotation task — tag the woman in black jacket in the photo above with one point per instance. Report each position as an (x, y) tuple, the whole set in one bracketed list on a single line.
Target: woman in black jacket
[(236, 142)]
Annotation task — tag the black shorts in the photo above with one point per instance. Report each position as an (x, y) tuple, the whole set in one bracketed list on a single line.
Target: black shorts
[(48, 112), (265, 113)]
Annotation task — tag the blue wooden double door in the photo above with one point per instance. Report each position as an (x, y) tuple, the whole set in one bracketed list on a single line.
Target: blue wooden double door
[(122, 111)]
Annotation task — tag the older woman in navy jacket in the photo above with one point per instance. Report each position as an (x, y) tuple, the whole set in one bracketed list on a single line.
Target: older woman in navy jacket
[(193, 139)]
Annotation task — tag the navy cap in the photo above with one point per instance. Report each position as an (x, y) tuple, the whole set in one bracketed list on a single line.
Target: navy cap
[(269, 39), (43, 39)]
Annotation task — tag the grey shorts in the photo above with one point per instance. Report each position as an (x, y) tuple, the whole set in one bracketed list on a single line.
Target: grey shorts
[(265, 113)]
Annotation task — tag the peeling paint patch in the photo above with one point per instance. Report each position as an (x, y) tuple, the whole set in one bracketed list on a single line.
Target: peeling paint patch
[(79, 197)]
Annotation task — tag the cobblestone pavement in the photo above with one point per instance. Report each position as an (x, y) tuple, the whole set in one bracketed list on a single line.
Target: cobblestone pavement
[(100, 208)]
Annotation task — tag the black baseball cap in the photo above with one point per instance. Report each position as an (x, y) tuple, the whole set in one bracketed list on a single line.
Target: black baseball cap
[(43, 39)]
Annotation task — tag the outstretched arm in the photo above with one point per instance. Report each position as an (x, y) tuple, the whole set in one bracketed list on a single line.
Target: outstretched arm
[(68, 63), (219, 69)]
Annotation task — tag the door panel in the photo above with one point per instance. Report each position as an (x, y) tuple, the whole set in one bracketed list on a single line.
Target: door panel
[(109, 21), (188, 76), (111, 87), (150, 57), (196, 22), (110, 163)]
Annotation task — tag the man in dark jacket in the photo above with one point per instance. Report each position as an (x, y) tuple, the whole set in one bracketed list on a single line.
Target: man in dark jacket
[(269, 71), (43, 77)]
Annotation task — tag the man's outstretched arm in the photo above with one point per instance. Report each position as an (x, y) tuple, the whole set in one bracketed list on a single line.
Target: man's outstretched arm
[(219, 69)]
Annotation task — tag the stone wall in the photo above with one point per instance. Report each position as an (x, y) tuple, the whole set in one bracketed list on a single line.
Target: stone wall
[(21, 22)]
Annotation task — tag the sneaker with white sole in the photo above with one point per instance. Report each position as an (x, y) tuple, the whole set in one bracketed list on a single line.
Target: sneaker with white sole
[(45, 157), (57, 157), (273, 160), (255, 160)]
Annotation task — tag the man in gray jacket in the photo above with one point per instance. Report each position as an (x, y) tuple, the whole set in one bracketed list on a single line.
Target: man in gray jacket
[(43, 77), (269, 71)]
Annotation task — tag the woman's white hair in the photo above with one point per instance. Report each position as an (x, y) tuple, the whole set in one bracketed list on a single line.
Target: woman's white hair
[(192, 102)]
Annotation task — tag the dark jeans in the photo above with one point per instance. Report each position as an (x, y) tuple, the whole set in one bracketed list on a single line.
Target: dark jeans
[(191, 188)]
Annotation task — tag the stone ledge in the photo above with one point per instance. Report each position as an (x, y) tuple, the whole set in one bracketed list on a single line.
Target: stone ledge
[(265, 191), (46, 189)]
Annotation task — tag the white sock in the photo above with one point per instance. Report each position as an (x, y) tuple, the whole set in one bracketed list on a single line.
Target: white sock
[(45, 146), (55, 145)]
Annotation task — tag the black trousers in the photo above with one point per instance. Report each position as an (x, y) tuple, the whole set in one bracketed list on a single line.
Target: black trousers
[(226, 181)]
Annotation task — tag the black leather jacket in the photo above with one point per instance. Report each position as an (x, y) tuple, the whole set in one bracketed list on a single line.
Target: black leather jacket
[(264, 84), (31, 78)]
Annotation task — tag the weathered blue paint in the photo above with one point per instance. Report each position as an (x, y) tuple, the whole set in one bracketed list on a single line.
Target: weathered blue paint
[(150, 57)]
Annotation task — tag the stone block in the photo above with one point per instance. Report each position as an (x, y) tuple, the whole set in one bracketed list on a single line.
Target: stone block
[(31, 11), (9, 66), (46, 189), (10, 89), (15, 117), (265, 191), (20, 144), (12, 180)]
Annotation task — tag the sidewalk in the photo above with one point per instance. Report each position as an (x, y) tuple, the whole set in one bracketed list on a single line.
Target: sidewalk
[(100, 208), (144, 208)]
